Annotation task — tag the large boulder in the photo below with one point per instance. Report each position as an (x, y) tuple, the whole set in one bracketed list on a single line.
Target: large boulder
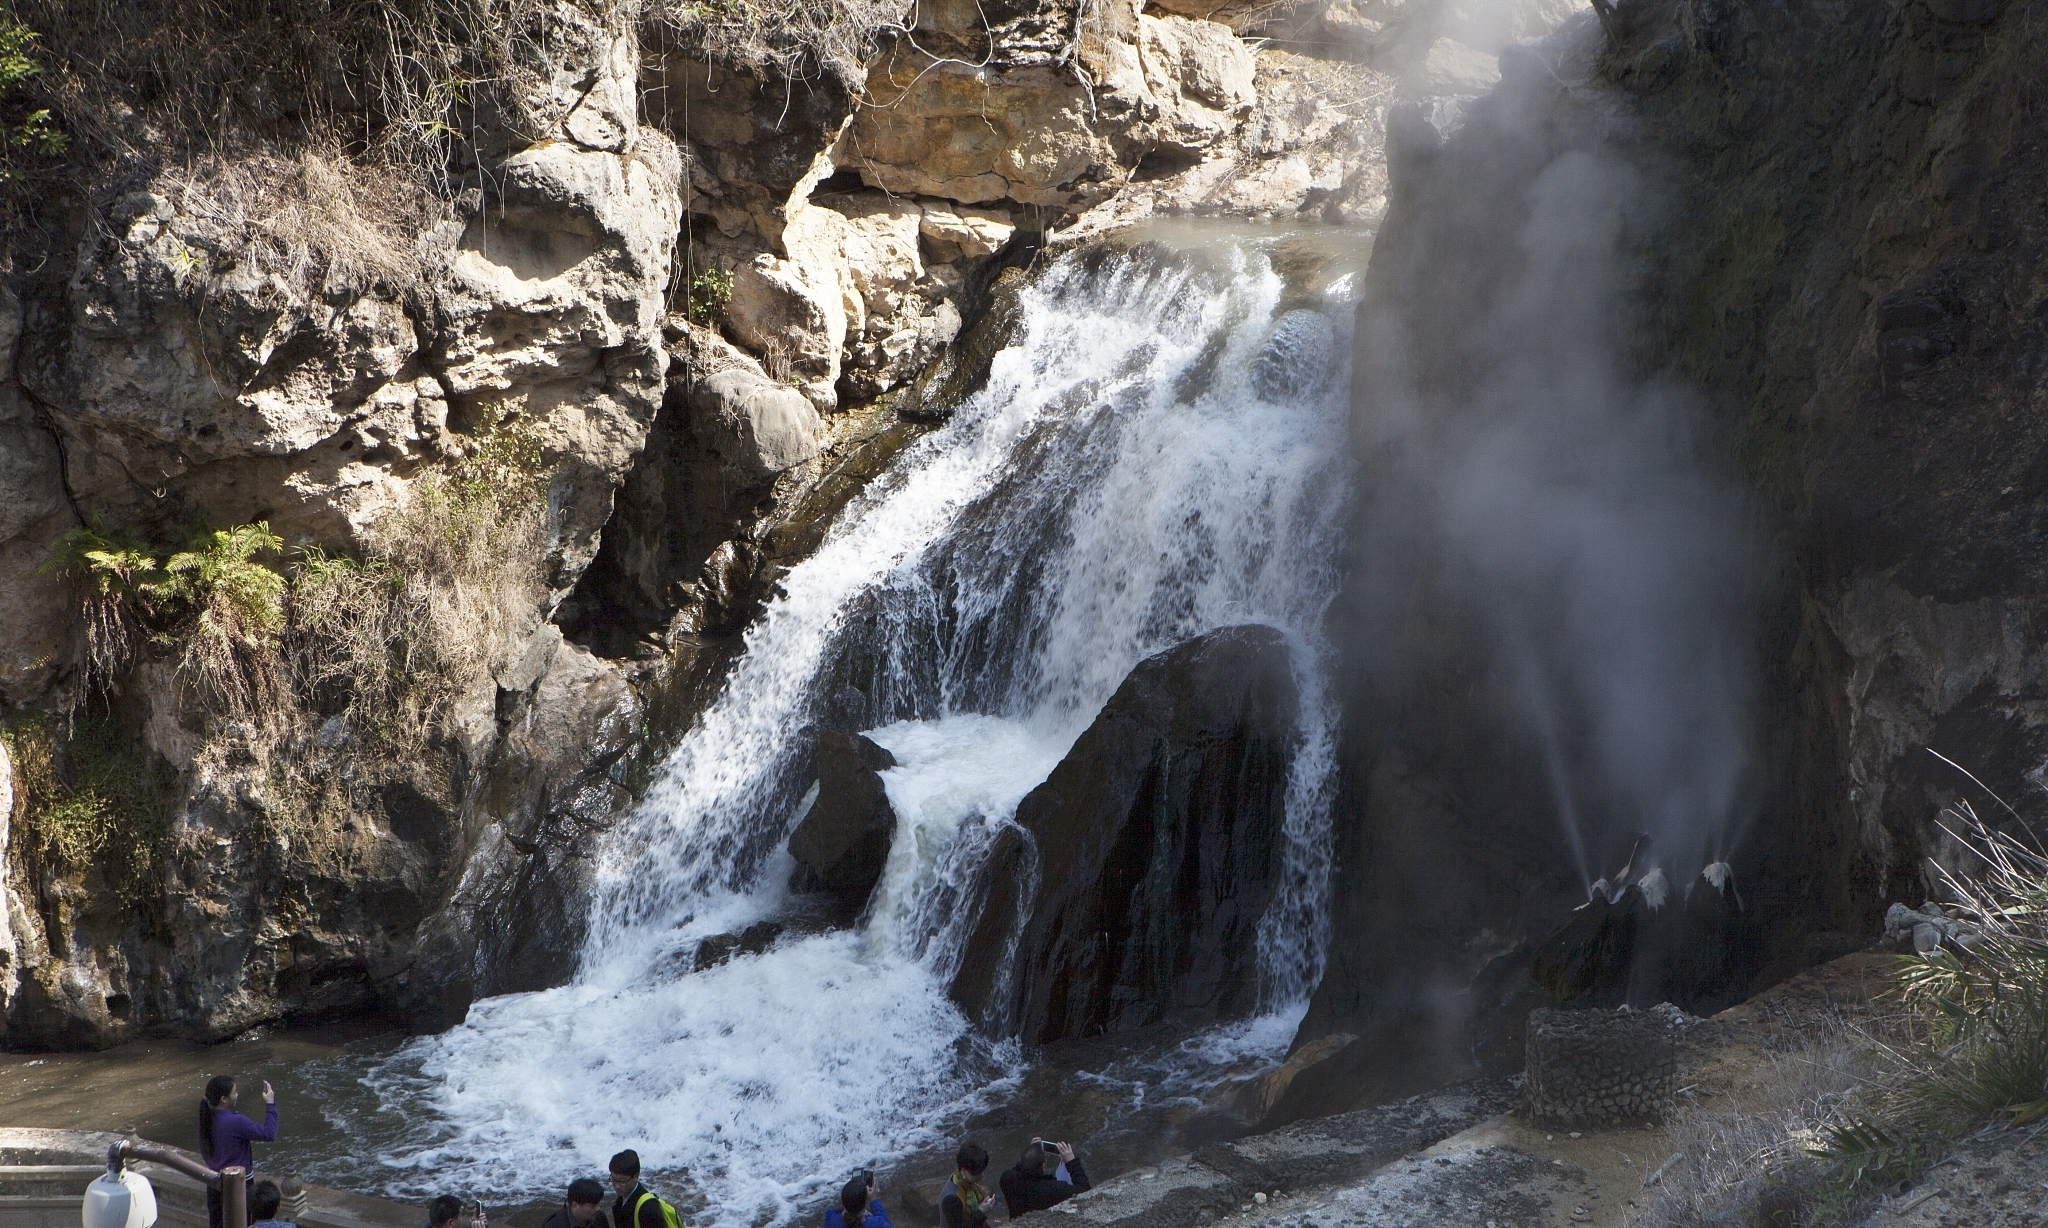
[(1158, 840), (842, 845), (758, 426)]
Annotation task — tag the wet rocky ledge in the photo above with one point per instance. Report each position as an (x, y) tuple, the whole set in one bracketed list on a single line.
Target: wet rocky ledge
[(1464, 1157)]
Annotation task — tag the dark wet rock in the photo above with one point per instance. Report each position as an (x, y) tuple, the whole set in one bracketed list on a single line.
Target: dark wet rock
[(1157, 846), (842, 844), (1218, 1180), (722, 948)]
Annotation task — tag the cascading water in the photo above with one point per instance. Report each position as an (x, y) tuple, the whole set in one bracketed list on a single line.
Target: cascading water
[(1117, 487)]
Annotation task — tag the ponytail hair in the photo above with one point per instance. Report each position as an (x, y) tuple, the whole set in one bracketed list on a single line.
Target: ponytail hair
[(218, 1088)]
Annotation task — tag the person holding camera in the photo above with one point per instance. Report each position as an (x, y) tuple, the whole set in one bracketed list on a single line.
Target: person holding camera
[(860, 1205), (1029, 1187)]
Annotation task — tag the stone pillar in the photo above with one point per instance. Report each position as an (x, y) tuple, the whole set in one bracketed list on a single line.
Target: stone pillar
[(1597, 1068)]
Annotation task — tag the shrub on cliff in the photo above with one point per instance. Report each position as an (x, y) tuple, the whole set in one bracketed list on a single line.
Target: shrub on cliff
[(87, 799), (28, 135), (213, 601), (388, 640)]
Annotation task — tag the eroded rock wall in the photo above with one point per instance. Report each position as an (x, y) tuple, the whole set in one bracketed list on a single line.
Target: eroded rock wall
[(706, 293)]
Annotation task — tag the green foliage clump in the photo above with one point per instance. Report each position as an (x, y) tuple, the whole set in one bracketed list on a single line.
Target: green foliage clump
[(88, 799), (710, 291), (26, 131), (213, 600)]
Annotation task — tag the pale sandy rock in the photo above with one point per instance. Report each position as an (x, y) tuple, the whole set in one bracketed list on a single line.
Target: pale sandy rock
[(1455, 69), (880, 247), (1494, 25), (1200, 74), (954, 231), (1314, 142), (933, 132), (1063, 134), (1360, 27), (552, 310), (802, 304), (1240, 15)]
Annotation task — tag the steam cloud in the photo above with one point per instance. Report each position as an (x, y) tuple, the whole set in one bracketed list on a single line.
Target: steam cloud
[(1574, 508)]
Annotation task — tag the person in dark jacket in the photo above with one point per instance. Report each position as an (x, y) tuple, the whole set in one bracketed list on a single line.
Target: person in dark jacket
[(580, 1207), (636, 1205), (444, 1212), (965, 1202), (860, 1206), (1029, 1187), (225, 1135)]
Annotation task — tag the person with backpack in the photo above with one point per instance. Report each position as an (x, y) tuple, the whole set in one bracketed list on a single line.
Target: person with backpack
[(225, 1135), (636, 1205), (965, 1201), (860, 1206)]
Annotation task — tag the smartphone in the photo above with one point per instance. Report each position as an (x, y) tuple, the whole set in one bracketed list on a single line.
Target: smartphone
[(867, 1177), (1048, 1147)]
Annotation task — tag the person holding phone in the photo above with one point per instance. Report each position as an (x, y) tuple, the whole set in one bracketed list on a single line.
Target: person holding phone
[(860, 1205), (1048, 1174), (225, 1135)]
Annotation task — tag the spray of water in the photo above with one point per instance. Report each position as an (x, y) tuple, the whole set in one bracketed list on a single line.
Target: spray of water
[(1115, 489)]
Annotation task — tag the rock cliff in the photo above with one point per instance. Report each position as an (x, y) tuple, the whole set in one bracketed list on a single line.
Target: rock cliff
[(537, 382), (1841, 261)]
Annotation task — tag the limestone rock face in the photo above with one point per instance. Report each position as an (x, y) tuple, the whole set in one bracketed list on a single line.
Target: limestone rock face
[(33, 511), (167, 371), (761, 426), (1452, 69), (552, 309), (1158, 845), (1062, 137), (563, 721), (1201, 75)]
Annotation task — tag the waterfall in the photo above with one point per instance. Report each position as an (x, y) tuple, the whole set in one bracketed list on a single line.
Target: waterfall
[(1117, 487)]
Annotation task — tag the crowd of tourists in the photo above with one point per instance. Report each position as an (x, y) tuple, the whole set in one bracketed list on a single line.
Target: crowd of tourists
[(1047, 1174)]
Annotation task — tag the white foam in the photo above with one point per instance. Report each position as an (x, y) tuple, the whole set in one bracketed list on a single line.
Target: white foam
[(961, 769), (768, 1078)]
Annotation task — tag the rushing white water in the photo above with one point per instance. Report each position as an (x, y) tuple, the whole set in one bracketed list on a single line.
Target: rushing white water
[(1115, 489)]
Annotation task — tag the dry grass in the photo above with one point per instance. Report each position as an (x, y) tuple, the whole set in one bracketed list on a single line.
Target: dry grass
[(317, 217), (793, 40), (84, 799), (1731, 1163), (388, 641), (322, 133)]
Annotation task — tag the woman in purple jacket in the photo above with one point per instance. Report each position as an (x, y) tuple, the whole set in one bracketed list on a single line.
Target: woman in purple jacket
[(225, 1135)]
